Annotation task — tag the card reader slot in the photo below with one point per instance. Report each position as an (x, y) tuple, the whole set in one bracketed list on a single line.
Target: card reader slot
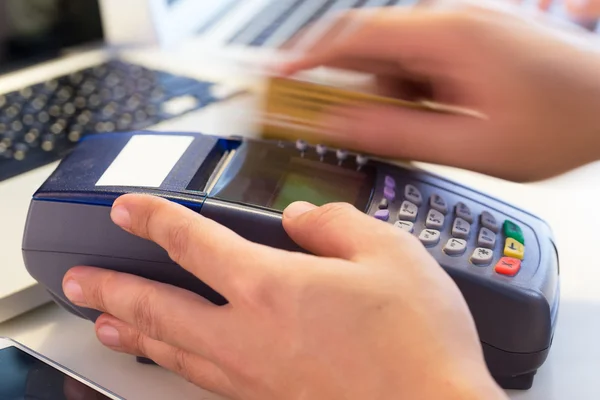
[(211, 169), (221, 167)]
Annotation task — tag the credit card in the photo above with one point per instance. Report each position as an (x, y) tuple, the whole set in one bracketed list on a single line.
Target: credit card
[(294, 109)]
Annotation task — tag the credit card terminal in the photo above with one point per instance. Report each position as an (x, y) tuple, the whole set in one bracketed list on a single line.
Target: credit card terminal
[(503, 259)]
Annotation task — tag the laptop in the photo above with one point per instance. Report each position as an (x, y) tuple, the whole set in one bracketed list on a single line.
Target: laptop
[(61, 79), (68, 69)]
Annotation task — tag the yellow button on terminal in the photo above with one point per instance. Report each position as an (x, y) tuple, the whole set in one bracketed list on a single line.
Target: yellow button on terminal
[(514, 249)]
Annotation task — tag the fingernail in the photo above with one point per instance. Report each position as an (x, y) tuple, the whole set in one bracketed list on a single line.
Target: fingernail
[(109, 336), (298, 208), (73, 291), (120, 216)]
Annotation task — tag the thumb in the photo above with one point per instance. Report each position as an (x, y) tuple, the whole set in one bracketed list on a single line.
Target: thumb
[(337, 230), (400, 132)]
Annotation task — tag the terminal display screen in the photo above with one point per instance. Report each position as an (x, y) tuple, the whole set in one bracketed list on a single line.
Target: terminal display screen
[(318, 189), (272, 177)]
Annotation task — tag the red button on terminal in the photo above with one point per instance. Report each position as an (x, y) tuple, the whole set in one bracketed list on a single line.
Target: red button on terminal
[(508, 266)]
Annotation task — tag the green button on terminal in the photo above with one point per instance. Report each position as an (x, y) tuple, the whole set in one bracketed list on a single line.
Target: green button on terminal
[(512, 230)]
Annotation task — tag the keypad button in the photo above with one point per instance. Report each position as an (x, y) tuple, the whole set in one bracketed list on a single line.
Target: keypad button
[(455, 247), (437, 202), (429, 237), (461, 228), (389, 193), (408, 211), (361, 160), (508, 266), (321, 150), (301, 145), (463, 211), (482, 256), (412, 194), (28, 119), (405, 225), (341, 155), (514, 249), (48, 142), (486, 238), (383, 215), (512, 230), (74, 135), (390, 182), (20, 151), (489, 221), (435, 220), (383, 204)]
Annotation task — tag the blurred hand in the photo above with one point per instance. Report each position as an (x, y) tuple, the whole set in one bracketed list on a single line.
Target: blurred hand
[(538, 85), (588, 9), (370, 315), (583, 8)]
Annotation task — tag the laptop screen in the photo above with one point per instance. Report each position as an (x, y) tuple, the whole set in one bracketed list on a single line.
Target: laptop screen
[(32, 31)]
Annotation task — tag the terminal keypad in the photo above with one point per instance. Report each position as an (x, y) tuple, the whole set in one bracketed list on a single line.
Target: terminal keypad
[(494, 242)]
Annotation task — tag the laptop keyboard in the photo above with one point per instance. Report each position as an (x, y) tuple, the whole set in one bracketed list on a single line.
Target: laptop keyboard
[(40, 124), (280, 20)]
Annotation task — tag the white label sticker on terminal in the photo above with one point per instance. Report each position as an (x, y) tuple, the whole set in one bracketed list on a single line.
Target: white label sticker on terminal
[(145, 161)]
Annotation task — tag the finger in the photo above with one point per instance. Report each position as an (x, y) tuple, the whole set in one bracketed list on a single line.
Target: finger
[(338, 230), (544, 5), (119, 336), (196, 243), (160, 311), (405, 133), (404, 88), (413, 36)]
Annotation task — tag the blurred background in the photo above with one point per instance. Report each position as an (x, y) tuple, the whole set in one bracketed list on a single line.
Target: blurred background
[(71, 68), (40, 122)]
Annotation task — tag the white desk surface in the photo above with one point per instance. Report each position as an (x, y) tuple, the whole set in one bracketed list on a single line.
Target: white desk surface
[(569, 203)]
